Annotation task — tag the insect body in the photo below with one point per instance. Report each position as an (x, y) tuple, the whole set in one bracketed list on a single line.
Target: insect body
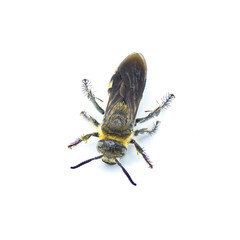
[(117, 129)]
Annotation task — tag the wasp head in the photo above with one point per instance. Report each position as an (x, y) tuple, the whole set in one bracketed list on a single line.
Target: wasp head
[(111, 150)]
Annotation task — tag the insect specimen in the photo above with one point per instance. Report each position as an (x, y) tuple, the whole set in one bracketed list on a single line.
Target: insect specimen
[(117, 129)]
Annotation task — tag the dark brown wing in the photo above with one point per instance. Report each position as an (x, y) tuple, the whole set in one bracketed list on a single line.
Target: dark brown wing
[(127, 86)]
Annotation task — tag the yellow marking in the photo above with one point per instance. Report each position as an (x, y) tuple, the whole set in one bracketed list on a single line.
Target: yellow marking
[(123, 141), (110, 84), (120, 106), (84, 139)]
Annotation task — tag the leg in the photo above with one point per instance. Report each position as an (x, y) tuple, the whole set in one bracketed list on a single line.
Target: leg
[(83, 138), (140, 150), (166, 103), (145, 130), (90, 119), (90, 95)]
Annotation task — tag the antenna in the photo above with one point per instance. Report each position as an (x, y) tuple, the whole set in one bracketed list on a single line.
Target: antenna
[(126, 173), (87, 161)]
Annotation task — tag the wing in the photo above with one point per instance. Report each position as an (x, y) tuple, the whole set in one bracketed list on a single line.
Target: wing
[(127, 86)]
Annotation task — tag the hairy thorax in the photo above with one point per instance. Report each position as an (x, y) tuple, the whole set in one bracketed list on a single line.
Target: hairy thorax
[(116, 126)]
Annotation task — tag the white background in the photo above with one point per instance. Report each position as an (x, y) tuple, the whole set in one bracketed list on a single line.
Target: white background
[(192, 50)]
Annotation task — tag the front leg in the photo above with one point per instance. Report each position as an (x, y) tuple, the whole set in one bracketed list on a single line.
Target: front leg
[(140, 150), (83, 138)]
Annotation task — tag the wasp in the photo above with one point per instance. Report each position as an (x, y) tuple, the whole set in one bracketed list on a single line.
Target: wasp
[(117, 129)]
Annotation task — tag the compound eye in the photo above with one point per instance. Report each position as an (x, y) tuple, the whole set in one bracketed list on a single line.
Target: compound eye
[(99, 144)]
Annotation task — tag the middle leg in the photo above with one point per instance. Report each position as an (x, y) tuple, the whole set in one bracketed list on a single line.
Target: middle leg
[(90, 118), (146, 130)]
